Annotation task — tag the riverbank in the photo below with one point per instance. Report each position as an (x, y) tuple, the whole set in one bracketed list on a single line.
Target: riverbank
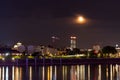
[(60, 61)]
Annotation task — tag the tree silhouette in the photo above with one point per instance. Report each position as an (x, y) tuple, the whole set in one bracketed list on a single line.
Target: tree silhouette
[(109, 50)]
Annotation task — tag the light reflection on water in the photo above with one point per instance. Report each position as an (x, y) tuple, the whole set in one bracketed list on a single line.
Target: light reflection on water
[(73, 72)]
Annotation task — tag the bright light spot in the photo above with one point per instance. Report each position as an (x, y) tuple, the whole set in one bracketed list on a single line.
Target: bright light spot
[(79, 55), (15, 46), (17, 54), (116, 45), (3, 59), (19, 44), (6, 54), (13, 59), (81, 20), (73, 37)]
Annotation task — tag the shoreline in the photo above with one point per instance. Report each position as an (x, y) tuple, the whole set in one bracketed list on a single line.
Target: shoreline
[(59, 61)]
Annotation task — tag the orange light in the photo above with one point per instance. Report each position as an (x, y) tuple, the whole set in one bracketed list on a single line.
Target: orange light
[(81, 19)]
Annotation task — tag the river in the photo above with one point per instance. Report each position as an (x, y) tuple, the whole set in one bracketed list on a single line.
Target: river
[(64, 72)]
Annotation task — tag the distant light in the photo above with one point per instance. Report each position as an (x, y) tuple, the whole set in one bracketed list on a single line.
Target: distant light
[(73, 37), (15, 46), (3, 59), (19, 44), (116, 45), (7, 54), (53, 37), (13, 59)]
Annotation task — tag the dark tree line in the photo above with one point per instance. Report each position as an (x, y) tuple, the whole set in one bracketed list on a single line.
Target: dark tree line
[(107, 50)]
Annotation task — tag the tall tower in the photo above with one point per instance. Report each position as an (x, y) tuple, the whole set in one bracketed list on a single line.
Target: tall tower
[(72, 42)]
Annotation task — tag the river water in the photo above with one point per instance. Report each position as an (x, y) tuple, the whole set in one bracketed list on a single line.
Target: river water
[(64, 72)]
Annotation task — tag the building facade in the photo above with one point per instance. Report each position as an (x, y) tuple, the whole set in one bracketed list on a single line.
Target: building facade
[(72, 42)]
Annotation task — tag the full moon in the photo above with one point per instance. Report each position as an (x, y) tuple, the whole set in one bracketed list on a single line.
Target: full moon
[(81, 20)]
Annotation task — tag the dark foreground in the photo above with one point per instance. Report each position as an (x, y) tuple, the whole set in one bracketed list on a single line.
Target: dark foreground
[(60, 61)]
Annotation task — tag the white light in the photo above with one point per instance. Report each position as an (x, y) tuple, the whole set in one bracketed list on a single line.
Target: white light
[(19, 43), (15, 46), (73, 37), (116, 45), (6, 54), (13, 59), (3, 59)]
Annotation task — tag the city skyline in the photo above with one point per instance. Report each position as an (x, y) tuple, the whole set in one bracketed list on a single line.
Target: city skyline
[(35, 22)]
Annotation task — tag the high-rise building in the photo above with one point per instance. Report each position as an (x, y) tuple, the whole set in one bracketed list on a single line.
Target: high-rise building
[(72, 42)]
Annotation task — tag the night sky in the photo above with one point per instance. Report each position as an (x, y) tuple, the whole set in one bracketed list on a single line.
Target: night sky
[(35, 22)]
